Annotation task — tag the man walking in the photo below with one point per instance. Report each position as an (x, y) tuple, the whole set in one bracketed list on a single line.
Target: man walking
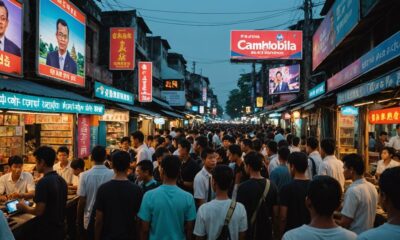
[(331, 166)]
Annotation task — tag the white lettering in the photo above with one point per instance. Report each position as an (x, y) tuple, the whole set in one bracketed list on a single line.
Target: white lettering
[(280, 46)]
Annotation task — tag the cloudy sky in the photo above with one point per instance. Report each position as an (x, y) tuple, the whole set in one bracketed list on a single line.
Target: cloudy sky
[(201, 30)]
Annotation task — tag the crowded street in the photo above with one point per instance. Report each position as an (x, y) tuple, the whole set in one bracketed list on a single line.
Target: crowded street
[(199, 120)]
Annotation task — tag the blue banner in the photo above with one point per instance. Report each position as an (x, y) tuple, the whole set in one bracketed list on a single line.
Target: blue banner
[(390, 80), (317, 90), (349, 111), (23, 102), (113, 94), (94, 136)]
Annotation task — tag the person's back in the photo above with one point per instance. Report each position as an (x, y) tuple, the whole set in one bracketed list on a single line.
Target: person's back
[(323, 198), (166, 209), (390, 201), (211, 216), (280, 176), (117, 203)]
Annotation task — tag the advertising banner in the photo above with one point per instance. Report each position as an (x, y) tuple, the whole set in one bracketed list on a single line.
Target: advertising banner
[(122, 49), (83, 136), (385, 116), (204, 94), (61, 43), (201, 109), (384, 52), (174, 98), (145, 89), (317, 90), (259, 102), (266, 44), (11, 34), (113, 94), (284, 79), (337, 24), (24, 102)]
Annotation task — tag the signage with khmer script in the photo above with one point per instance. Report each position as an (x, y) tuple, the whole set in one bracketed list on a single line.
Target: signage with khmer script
[(113, 94)]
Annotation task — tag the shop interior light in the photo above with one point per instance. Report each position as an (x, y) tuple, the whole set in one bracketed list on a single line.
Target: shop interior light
[(385, 100), (362, 104), (21, 112)]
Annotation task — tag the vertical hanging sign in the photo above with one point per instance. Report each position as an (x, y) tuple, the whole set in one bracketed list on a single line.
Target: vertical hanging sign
[(83, 136), (145, 88), (122, 49), (204, 94)]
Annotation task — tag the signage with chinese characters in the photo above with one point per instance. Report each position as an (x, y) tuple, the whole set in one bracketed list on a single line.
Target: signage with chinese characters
[(145, 90), (113, 94), (317, 90), (201, 109), (385, 116), (349, 111), (204, 94), (111, 115), (11, 52), (83, 136), (259, 102), (23, 102), (171, 85), (61, 42), (122, 49), (266, 44)]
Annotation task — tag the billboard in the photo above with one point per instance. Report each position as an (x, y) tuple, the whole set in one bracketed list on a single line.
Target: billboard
[(338, 23), (266, 44), (11, 35), (61, 43), (174, 98), (284, 79), (145, 88), (122, 49)]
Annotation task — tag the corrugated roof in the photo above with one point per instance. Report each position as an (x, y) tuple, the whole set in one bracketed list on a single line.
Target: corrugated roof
[(32, 88)]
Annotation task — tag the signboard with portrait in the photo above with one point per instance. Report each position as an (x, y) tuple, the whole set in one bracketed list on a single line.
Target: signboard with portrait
[(145, 89), (284, 79), (11, 37), (61, 42), (122, 49), (266, 44)]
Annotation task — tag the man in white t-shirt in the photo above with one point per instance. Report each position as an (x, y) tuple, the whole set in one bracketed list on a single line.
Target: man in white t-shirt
[(89, 182), (390, 201), (360, 199), (272, 152), (394, 141), (202, 182), (386, 161), (323, 198), (63, 168), (314, 157), (331, 166), (142, 151), (211, 216)]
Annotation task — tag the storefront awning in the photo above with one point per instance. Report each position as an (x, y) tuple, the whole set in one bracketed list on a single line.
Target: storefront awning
[(139, 110), (31, 88), (162, 104), (309, 103), (172, 114)]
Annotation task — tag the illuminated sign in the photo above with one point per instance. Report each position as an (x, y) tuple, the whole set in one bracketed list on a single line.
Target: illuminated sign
[(122, 49), (385, 116)]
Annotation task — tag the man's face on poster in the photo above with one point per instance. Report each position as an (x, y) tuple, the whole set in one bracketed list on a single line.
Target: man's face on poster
[(62, 37), (279, 78), (3, 21)]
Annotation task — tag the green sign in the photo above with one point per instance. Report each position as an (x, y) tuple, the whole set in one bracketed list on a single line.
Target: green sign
[(317, 90), (109, 93), (23, 102)]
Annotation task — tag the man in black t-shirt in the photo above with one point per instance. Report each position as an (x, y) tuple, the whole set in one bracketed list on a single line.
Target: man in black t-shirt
[(50, 198), (117, 203), (189, 167), (293, 212), (249, 194)]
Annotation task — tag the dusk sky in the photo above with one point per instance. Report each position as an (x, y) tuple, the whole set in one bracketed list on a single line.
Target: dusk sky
[(209, 45)]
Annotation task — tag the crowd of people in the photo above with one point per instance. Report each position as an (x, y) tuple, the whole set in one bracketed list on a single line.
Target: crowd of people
[(211, 182)]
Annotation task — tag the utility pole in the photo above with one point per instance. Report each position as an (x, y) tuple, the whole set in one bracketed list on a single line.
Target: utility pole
[(194, 67), (308, 29)]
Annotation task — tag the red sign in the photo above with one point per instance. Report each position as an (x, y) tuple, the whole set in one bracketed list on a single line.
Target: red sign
[(214, 111), (262, 44), (83, 136), (145, 90), (122, 49), (385, 116)]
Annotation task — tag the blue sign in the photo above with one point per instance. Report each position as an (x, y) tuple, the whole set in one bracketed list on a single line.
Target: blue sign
[(349, 110), (390, 80), (317, 90), (275, 115), (113, 94), (23, 102), (94, 136), (195, 108)]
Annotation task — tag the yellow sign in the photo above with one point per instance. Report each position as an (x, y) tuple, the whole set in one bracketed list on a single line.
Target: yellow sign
[(260, 102)]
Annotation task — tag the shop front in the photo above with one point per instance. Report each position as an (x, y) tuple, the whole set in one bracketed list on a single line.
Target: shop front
[(113, 126)]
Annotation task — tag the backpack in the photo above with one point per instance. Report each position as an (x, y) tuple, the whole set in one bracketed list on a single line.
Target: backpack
[(314, 167), (225, 235)]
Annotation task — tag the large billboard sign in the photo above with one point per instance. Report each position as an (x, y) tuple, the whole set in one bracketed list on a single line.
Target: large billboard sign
[(338, 23), (284, 79), (145, 89), (122, 49), (266, 44), (61, 43), (11, 37)]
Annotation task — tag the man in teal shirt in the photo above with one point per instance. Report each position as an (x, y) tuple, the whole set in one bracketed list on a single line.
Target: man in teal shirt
[(167, 212)]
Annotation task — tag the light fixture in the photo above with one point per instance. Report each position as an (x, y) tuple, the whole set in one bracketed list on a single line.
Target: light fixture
[(296, 114), (21, 112), (385, 100), (362, 104)]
